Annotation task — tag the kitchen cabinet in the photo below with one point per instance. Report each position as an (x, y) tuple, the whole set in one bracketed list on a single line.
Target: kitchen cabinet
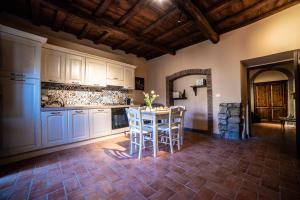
[(95, 72), (75, 68), (115, 74), (100, 122), (54, 128), (129, 78), (19, 56), (53, 66), (20, 115), (78, 125)]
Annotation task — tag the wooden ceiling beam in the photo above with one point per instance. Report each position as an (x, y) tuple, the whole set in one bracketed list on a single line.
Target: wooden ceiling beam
[(173, 30), (102, 37), (133, 11), (35, 11), (159, 21), (104, 25), (59, 20), (191, 9), (101, 8), (182, 40), (84, 31)]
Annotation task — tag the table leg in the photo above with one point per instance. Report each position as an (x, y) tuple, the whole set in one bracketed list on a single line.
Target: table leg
[(155, 137)]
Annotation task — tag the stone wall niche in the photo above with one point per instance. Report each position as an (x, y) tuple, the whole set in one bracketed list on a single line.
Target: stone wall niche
[(229, 116)]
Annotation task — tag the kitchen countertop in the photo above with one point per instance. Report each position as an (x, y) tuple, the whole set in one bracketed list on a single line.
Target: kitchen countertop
[(84, 107)]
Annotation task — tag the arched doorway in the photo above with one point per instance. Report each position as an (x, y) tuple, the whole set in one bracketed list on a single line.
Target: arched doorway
[(170, 85)]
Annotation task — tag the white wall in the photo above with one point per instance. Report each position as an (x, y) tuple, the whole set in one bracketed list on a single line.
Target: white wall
[(275, 34), (196, 106)]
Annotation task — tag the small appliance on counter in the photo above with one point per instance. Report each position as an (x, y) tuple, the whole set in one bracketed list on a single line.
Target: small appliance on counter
[(129, 101)]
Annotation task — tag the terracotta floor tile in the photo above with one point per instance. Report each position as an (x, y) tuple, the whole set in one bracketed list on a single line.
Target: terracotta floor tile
[(263, 167)]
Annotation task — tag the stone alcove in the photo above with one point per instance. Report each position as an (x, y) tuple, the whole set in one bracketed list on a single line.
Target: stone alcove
[(170, 84)]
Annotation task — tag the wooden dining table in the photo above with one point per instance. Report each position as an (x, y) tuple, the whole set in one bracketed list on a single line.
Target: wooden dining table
[(154, 116)]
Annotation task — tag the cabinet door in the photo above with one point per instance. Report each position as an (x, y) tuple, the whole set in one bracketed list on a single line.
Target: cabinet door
[(100, 122), (53, 66), (78, 126), (19, 56), (54, 128), (115, 74), (75, 67), (20, 115), (129, 77), (95, 72)]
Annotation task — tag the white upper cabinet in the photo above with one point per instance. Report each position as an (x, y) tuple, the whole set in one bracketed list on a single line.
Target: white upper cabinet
[(100, 122), (95, 72), (53, 66), (129, 78), (75, 69), (54, 128), (20, 115), (19, 56), (78, 125), (115, 74)]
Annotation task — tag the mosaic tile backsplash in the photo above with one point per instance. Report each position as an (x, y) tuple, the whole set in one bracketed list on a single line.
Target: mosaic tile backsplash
[(84, 95)]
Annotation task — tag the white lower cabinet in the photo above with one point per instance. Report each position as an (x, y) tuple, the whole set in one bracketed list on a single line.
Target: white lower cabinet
[(100, 122), (78, 125), (54, 128)]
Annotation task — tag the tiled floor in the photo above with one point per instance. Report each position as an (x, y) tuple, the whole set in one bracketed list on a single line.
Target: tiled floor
[(263, 167)]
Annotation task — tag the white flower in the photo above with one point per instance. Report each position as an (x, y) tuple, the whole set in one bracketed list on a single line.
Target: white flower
[(152, 92)]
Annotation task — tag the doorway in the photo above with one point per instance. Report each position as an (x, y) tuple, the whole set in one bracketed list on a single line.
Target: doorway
[(270, 101), (289, 64)]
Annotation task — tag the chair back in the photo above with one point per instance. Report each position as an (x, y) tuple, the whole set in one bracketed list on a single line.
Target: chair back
[(134, 118), (176, 114)]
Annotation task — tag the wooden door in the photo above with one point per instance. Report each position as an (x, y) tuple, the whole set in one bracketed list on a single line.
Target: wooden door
[(270, 100)]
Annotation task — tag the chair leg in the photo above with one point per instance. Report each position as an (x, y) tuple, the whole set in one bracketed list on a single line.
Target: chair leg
[(131, 143), (140, 145), (171, 141), (135, 141), (178, 140)]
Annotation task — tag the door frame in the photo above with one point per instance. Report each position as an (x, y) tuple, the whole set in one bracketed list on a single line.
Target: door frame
[(297, 90), (285, 82)]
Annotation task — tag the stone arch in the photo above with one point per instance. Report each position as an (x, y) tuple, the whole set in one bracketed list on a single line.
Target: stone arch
[(169, 88)]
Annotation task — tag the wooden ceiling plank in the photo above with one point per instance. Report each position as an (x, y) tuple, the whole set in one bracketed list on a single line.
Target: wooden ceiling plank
[(190, 9), (102, 37), (173, 30), (99, 22), (121, 44), (133, 11), (242, 12), (220, 6), (59, 20), (101, 8), (84, 31), (35, 11), (159, 21), (182, 40)]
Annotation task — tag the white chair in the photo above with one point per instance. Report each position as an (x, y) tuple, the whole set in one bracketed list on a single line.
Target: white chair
[(172, 131), (138, 132)]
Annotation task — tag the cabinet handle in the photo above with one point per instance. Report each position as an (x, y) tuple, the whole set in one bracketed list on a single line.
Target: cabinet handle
[(15, 79), (100, 110), (52, 81), (75, 82), (55, 113), (96, 84), (19, 75), (115, 78), (79, 111)]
